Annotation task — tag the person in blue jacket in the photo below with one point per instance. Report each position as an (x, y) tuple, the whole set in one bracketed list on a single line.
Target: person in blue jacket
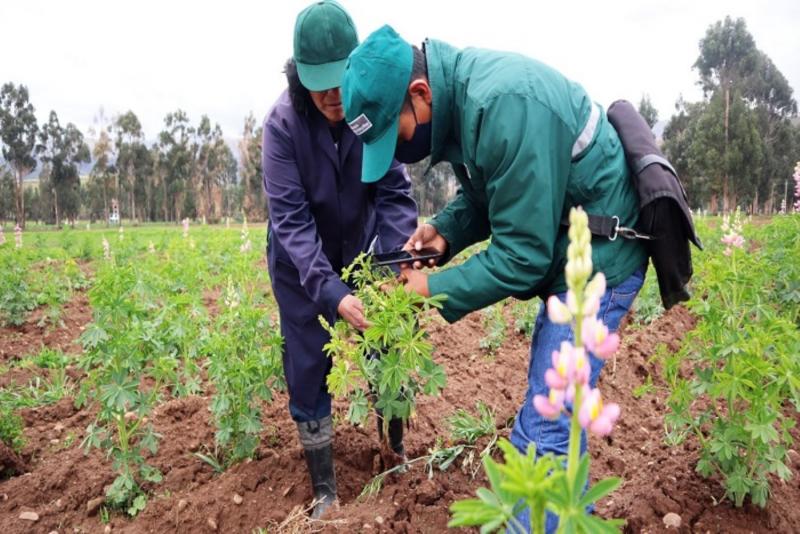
[(321, 216)]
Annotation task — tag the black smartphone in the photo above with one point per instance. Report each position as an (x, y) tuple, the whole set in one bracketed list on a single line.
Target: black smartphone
[(403, 256)]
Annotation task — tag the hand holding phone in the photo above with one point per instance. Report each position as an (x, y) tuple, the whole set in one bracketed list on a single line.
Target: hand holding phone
[(426, 236), (400, 257)]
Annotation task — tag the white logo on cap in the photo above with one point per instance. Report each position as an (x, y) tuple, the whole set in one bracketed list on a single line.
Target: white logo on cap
[(360, 125)]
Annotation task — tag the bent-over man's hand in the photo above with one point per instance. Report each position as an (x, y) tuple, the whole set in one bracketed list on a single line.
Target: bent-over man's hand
[(425, 236), (415, 281)]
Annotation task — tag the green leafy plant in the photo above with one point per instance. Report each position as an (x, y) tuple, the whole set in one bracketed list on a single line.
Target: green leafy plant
[(469, 428), (743, 396), (643, 389), (524, 313), (391, 362), (245, 367), (49, 358), (648, 306), (494, 324), (11, 427), (16, 300)]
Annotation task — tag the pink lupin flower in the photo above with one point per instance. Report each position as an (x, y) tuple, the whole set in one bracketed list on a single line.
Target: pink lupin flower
[(596, 416), (796, 177), (598, 339), (186, 227), (571, 364), (18, 236), (551, 405), (555, 380), (557, 311)]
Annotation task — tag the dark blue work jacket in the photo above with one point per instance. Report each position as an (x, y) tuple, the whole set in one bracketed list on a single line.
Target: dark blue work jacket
[(321, 216)]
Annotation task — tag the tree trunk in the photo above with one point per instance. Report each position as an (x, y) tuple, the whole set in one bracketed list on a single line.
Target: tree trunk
[(713, 206), (132, 182), (105, 201), (725, 204), (20, 200), (55, 203)]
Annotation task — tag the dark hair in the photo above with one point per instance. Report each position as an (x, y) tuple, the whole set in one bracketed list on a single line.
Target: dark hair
[(419, 69), (299, 95)]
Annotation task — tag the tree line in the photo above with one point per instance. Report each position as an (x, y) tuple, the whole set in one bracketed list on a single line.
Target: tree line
[(738, 146), (190, 171), (735, 147)]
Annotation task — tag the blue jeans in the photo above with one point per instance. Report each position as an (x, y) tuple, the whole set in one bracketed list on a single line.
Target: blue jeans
[(530, 427)]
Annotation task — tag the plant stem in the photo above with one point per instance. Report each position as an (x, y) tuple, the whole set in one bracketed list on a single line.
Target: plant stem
[(574, 455)]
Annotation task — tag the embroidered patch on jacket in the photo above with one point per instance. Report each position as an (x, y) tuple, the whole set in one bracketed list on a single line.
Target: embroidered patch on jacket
[(360, 125)]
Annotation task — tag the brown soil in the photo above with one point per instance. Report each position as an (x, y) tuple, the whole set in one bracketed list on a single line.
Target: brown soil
[(29, 338), (192, 498)]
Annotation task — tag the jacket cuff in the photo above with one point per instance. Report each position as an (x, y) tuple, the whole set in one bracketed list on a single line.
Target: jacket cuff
[(332, 293), (437, 285)]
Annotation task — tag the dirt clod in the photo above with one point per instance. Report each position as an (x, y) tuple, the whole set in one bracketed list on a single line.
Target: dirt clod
[(672, 520), (29, 516)]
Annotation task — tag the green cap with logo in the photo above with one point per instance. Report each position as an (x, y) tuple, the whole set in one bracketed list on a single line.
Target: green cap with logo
[(324, 35), (374, 87)]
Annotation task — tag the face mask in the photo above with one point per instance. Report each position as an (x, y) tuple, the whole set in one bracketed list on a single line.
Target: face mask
[(419, 146)]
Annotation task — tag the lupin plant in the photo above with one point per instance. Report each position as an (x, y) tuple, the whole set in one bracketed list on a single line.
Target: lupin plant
[(186, 228), (18, 236), (106, 250), (732, 229), (2, 236), (548, 483), (796, 177), (246, 245), (387, 365)]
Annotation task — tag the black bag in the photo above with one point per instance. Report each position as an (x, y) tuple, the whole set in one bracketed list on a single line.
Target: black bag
[(665, 222)]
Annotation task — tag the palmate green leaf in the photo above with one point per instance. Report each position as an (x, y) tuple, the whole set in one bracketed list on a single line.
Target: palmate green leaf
[(249, 423), (358, 411), (149, 439), (93, 336), (120, 394), (763, 428), (138, 505), (150, 473), (392, 374), (434, 379)]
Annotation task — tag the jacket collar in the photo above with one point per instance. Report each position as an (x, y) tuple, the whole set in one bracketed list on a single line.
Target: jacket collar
[(442, 60), (323, 135)]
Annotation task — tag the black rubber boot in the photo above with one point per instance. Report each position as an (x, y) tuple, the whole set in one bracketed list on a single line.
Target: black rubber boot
[(317, 440), (395, 434)]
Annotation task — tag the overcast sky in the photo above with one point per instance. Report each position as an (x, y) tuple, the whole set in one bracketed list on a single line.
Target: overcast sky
[(224, 59)]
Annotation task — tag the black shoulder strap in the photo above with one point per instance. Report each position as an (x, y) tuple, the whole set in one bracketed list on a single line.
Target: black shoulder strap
[(604, 226)]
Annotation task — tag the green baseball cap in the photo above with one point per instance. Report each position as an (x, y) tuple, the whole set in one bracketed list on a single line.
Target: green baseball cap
[(324, 35), (374, 87)]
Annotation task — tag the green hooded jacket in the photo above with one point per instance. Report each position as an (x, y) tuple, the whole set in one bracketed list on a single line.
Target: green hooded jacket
[(508, 125)]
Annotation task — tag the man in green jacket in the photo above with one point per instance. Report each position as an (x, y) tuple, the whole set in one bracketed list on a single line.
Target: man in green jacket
[(526, 144)]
